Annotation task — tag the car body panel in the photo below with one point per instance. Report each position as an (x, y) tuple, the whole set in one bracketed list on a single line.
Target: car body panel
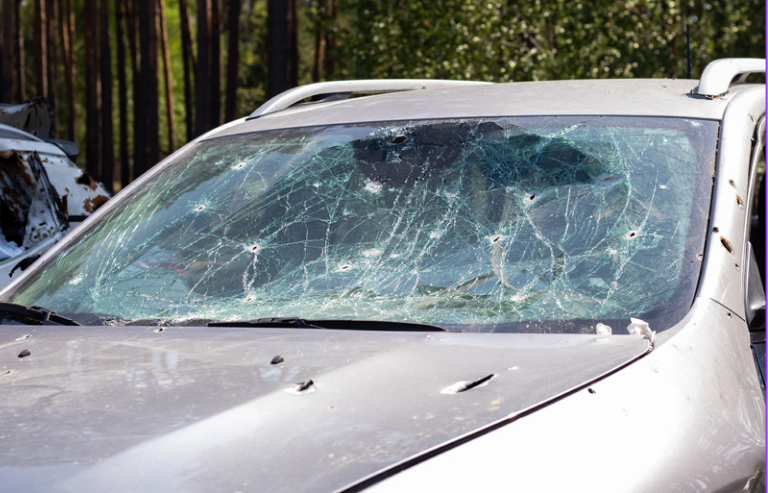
[(586, 97), (721, 278), (160, 401), (665, 423)]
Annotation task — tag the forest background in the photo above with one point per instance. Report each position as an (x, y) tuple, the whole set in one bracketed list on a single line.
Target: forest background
[(132, 80)]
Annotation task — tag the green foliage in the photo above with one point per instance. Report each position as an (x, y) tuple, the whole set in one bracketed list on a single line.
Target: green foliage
[(252, 71), (537, 40)]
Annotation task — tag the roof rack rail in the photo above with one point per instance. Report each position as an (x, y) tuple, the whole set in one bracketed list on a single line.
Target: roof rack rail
[(344, 89), (720, 75)]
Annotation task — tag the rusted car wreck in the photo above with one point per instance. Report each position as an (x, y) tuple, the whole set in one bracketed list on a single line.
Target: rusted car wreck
[(43, 194)]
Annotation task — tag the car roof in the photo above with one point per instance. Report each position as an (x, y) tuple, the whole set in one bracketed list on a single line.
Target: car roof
[(636, 97), (9, 132)]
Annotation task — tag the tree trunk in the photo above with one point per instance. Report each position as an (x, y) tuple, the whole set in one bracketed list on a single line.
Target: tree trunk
[(202, 70), (107, 132), (73, 72), (21, 68), (187, 55), (92, 92), (318, 41), (233, 59), (277, 37), (215, 61), (282, 53), (293, 37), (6, 91), (132, 16), (51, 15), (65, 18), (122, 87), (167, 77), (147, 145), (41, 49), (132, 24), (330, 39)]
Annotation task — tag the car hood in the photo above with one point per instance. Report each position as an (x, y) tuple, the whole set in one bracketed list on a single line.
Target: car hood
[(203, 409)]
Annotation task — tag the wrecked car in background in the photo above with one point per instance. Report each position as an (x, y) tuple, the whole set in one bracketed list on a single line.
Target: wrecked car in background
[(443, 286), (43, 193)]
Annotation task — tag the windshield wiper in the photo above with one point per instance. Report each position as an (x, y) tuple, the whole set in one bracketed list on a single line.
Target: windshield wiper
[(33, 315), (301, 323)]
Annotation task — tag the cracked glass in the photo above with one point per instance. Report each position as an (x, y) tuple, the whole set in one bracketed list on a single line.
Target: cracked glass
[(530, 224)]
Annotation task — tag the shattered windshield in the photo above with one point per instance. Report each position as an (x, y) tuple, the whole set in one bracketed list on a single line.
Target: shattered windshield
[(538, 224)]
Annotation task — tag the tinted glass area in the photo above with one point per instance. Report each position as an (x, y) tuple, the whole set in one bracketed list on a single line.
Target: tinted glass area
[(506, 224)]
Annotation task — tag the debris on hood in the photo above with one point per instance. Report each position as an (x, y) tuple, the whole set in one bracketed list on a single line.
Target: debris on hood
[(641, 327), (603, 330)]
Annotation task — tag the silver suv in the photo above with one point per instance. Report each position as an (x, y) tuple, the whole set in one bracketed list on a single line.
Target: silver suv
[(436, 286)]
